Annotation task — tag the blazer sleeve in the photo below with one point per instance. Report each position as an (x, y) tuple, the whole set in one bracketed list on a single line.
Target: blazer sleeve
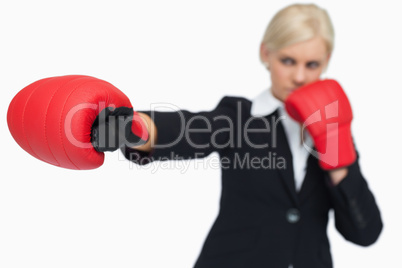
[(357, 216), (187, 135)]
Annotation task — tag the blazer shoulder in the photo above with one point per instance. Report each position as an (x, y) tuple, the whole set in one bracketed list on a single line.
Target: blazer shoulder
[(235, 103)]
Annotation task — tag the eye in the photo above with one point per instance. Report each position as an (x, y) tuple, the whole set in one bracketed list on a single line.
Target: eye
[(288, 61), (313, 64)]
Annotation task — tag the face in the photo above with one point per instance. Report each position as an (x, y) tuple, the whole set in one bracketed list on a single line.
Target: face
[(296, 65)]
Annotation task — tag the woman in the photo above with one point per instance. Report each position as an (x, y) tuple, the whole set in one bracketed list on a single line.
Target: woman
[(275, 195)]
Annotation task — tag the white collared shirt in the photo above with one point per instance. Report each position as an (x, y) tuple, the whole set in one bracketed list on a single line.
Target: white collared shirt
[(264, 104)]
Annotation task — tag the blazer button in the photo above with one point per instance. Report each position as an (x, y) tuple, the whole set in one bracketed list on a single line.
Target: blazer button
[(293, 215)]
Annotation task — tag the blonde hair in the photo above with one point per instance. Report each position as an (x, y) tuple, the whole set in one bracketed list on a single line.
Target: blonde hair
[(298, 23)]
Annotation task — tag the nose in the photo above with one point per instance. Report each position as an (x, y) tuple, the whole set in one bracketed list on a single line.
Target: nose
[(299, 76)]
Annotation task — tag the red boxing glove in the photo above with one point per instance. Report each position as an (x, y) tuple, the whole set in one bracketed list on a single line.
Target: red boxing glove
[(324, 109), (52, 119)]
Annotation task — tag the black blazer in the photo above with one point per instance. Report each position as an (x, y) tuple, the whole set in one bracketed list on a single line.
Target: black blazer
[(263, 221)]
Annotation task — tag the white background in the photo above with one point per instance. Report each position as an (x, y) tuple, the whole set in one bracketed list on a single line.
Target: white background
[(190, 54)]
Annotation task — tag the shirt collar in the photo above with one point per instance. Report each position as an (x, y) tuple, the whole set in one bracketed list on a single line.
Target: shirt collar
[(265, 103)]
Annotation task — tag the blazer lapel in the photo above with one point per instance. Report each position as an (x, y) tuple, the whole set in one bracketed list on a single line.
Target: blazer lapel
[(313, 173), (282, 149)]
